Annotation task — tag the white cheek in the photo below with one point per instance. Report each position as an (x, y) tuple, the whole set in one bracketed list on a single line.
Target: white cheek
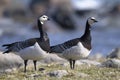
[(43, 19), (90, 21)]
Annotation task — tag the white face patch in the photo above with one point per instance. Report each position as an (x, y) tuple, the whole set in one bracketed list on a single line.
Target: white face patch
[(43, 19), (91, 20)]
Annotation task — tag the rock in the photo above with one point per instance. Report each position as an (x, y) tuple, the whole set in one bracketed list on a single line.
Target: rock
[(34, 76), (9, 61), (78, 62), (41, 69), (114, 63), (66, 22), (97, 56), (82, 75), (114, 54), (8, 70), (36, 5), (58, 73), (87, 62), (52, 58), (64, 64)]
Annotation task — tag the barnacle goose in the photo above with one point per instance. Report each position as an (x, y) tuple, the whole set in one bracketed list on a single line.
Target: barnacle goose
[(77, 48), (34, 48)]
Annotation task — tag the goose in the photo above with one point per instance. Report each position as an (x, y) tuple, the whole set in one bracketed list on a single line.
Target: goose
[(77, 48), (33, 48)]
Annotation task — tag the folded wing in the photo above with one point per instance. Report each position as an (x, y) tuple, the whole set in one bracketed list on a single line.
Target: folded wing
[(17, 46)]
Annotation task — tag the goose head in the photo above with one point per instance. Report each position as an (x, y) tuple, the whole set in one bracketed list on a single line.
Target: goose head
[(43, 19), (91, 20)]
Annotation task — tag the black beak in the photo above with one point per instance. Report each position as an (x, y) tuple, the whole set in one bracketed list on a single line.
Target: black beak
[(95, 21), (48, 19)]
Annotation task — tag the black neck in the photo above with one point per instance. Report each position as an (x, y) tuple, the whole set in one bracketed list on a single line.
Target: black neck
[(86, 35), (41, 30)]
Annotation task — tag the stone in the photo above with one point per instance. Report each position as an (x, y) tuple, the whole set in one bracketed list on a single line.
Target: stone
[(64, 64), (52, 58), (97, 56), (114, 63), (41, 69), (115, 53), (58, 73), (35, 75), (87, 62), (82, 75), (10, 61), (8, 70)]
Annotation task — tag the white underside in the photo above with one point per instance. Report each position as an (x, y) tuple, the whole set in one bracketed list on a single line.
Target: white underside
[(32, 53), (76, 52)]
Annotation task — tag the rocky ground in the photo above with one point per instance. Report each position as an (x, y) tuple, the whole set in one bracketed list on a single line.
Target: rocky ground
[(54, 68), (56, 71)]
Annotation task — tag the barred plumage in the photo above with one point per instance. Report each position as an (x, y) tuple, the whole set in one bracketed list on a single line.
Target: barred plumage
[(17, 46), (61, 47)]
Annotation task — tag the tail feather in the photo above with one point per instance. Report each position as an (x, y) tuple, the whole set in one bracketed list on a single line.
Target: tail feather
[(17, 46), (6, 51), (6, 45)]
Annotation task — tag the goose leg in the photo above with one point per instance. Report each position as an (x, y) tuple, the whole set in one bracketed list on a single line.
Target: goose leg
[(70, 61), (35, 64), (25, 63), (73, 64)]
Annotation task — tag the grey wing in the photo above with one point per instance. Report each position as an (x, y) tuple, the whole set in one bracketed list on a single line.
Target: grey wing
[(61, 47), (58, 48), (17, 46)]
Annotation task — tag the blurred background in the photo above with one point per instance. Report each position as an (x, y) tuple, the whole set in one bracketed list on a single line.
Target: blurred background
[(18, 21)]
